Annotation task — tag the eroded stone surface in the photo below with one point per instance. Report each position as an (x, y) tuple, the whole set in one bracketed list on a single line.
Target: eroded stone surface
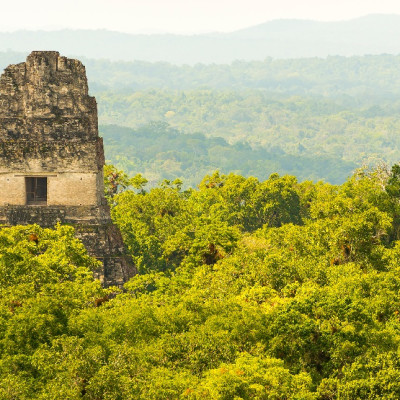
[(46, 97), (48, 129)]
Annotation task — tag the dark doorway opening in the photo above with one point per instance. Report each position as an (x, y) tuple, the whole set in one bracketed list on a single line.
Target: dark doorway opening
[(36, 191)]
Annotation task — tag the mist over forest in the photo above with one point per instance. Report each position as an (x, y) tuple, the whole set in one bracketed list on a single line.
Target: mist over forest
[(371, 34)]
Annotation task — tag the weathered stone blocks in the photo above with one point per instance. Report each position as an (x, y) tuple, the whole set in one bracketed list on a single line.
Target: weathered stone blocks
[(49, 134)]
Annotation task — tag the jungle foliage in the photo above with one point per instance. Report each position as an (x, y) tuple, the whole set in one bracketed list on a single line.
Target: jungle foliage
[(314, 118), (160, 152), (246, 289)]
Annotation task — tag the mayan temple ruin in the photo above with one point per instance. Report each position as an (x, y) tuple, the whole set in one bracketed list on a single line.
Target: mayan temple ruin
[(51, 157)]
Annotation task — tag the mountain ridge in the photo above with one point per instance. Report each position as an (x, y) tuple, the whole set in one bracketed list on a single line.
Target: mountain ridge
[(371, 34)]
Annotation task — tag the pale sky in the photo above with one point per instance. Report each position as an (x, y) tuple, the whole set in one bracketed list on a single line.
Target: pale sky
[(178, 16)]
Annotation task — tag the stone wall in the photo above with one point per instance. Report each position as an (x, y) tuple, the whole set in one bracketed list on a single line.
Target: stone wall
[(46, 156), (63, 188), (74, 170), (48, 129)]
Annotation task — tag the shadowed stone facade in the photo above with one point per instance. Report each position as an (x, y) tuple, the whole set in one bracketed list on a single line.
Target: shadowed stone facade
[(51, 157)]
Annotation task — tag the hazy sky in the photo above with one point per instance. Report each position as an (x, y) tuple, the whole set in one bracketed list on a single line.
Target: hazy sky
[(178, 16)]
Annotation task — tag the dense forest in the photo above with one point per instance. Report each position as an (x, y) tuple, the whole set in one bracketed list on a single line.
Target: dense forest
[(259, 200), (314, 118), (161, 152), (247, 289)]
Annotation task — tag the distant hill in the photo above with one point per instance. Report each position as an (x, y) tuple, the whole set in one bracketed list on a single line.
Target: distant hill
[(373, 34)]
